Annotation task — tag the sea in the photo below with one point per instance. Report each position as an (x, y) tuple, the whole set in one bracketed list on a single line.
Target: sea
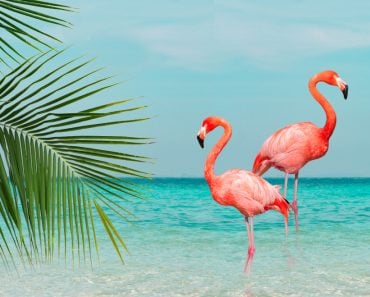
[(182, 243)]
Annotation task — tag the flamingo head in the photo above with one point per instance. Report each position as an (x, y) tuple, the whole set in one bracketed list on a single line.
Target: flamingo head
[(332, 78), (207, 126)]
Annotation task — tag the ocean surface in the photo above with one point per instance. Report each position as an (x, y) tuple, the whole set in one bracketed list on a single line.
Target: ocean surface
[(185, 244)]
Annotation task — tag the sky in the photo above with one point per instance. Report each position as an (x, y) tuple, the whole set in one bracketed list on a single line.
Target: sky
[(246, 61)]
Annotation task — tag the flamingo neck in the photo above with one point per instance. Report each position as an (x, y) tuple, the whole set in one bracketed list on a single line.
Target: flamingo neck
[(209, 172), (331, 118)]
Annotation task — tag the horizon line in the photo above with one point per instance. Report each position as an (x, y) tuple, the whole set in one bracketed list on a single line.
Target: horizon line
[(276, 177)]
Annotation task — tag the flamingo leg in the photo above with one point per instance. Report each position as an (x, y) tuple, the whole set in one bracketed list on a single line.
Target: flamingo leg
[(285, 184), (251, 248), (284, 195), (286, 226), (295, 203)]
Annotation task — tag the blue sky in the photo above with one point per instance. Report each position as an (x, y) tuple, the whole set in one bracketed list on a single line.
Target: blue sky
[(247, 61)]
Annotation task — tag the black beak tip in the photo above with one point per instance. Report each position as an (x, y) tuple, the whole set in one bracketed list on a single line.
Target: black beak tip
[(201, 141), (345, 92)]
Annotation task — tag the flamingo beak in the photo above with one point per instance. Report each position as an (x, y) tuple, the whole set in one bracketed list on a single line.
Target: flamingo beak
[(342, 85), (201, 141), (201, 135), (345, 92)]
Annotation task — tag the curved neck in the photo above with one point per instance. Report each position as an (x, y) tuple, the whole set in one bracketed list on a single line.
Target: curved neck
[(331, 118), (212, 156)]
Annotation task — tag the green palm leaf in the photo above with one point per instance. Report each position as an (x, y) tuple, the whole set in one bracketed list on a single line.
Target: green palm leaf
[(20, 21), (58, 175)]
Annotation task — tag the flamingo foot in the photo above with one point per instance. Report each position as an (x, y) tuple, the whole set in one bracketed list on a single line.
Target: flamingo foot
[(249, 261), (295, 210)]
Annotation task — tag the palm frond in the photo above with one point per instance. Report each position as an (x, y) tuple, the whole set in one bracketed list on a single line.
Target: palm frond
[(20, 20), (57, 173)]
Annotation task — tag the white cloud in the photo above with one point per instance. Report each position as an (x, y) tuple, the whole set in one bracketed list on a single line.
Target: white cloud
[(264, 35), (260, 43)]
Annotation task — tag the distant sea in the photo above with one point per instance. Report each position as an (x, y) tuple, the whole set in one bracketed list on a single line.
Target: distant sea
[(182, 243)]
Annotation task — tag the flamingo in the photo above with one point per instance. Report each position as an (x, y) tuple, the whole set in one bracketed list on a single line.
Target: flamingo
[(247, 192), (291, 147)]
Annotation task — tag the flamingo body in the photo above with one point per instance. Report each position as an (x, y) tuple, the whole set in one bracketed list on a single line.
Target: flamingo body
[(291, 147), (247, 192)]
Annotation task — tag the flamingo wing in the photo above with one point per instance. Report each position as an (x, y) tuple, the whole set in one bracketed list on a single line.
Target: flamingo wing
[(249, 193), (290, 148)]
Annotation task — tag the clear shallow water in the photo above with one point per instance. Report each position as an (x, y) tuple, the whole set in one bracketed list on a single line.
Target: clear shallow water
[(184, 244)]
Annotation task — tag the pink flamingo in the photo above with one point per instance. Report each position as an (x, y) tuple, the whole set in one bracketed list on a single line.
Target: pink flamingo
[(245, 191), (291, 147)]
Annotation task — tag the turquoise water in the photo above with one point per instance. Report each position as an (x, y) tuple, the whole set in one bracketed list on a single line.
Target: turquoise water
[(184, 244)]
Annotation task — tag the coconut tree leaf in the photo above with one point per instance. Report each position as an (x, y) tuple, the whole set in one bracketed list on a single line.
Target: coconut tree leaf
[(20, 24), (59, 178)]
